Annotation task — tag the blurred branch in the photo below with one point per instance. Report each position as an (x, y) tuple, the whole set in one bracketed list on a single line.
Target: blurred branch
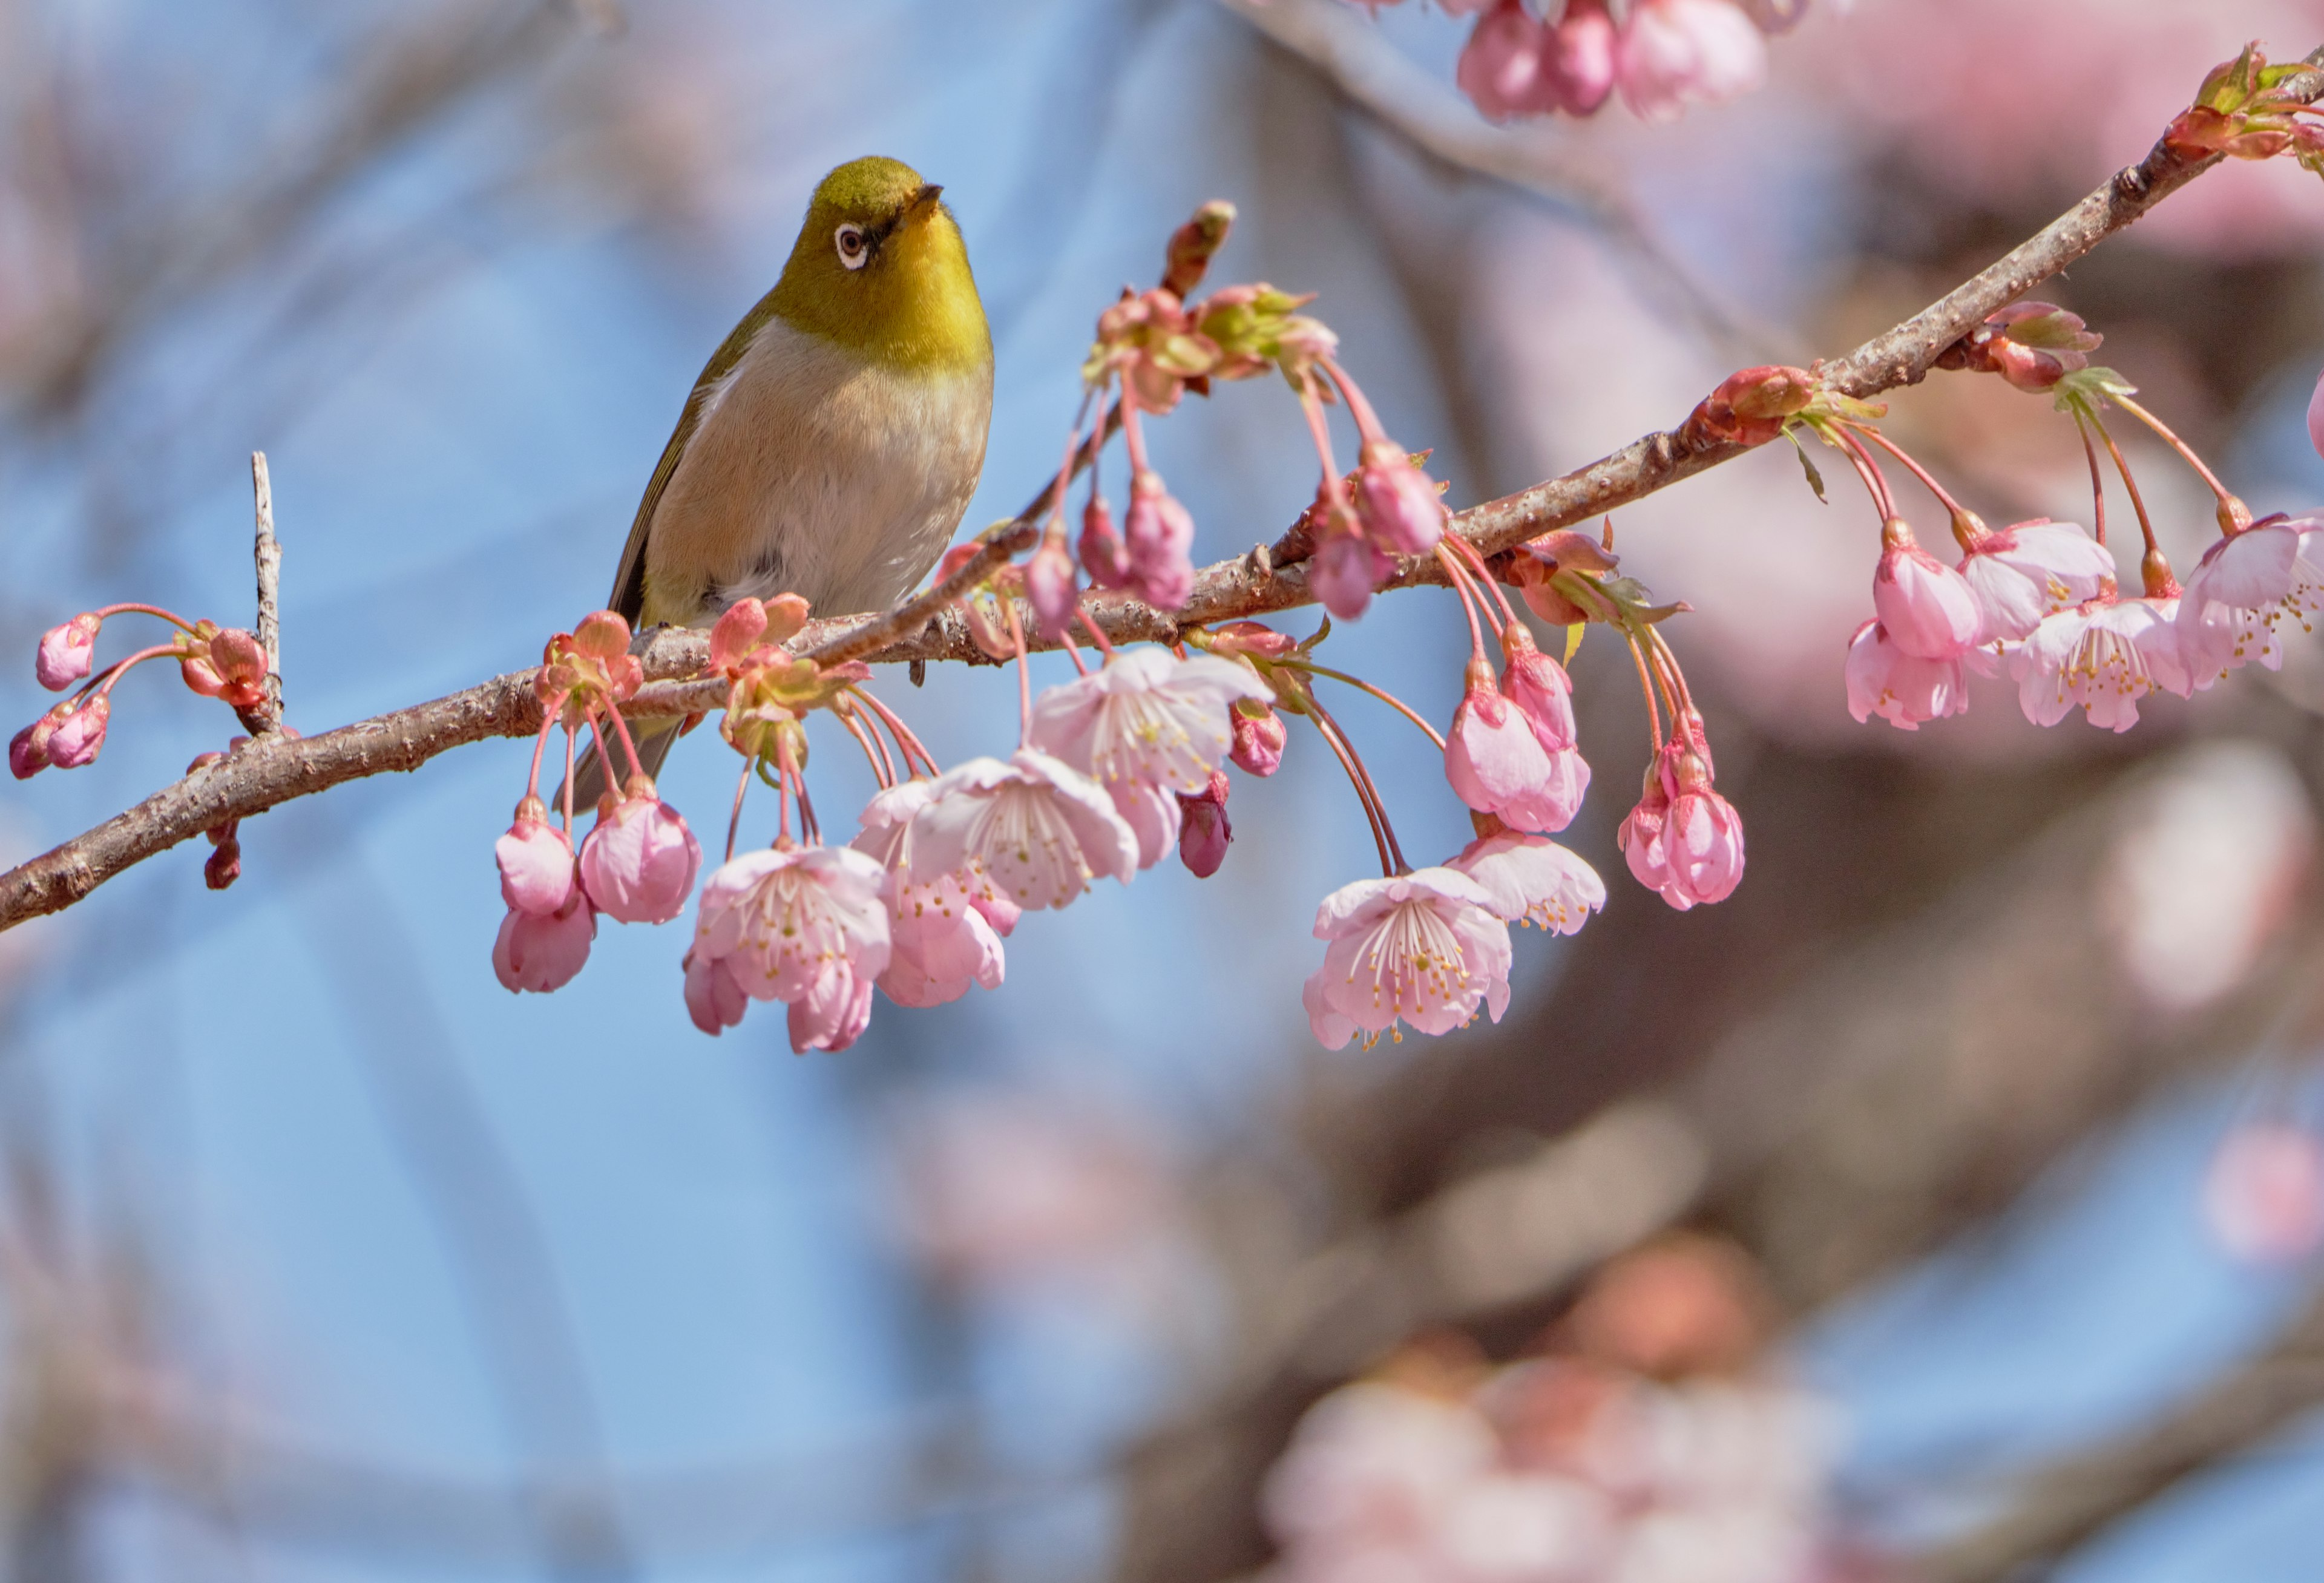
[(2069, 1502), (924, 628), (1349, 52)]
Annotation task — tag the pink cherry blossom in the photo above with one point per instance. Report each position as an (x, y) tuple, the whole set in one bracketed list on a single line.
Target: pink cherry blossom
[(1928, 609), (2103, 656), (1503, 66), (2316, 417), (1532, 879), (1683, 841), (1674, 52), (1104, 555), (1147, 716), (640, 862), (540, 952), (1901, 688), (1540, 688), (2264, 1196), (1259, 741), (1205, 830), (2029, 570), (1497, 764), (28, 750), (1158, 539), (1152, 814), (1397, 503), (940, 941), (536, 862), (232, 668), (1582, 70), (1641, 835), (1424, 948), (2244, 590), (79, 736), (1052, 588), (800, 924), (66, 652), (998, 911), (1033, 829)]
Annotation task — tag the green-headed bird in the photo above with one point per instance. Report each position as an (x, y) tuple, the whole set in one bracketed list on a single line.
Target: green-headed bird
[(834, 439)]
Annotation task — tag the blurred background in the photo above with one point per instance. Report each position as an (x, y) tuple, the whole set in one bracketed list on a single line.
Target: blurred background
[(1944, 1205)]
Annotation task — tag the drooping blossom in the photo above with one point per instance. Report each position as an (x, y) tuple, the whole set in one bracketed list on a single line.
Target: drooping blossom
[(1497, 764), (1901, 688), (1515, 64), (940, 942), (2316, 417), (1674, 52), (2029, 570), (2103, 656), (1531, 880), (79, 737), (1032, 829), (1258, 740), (1147, 716), (28, 750), (640, 862), (1157, 539), (1928, 609), (1153, 814), (1052, 588), (2244, 591), (1683, 841), (540, 952), (66, 652), (2264, 1196), (536, 862), (232, 668), (1102, 553), (1425, 948), (1397, 504), (1346, 569), (1540, 688), (1206, 832), (806, 926)]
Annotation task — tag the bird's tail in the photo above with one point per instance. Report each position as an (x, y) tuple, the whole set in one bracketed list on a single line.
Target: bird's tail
[(590, 781)]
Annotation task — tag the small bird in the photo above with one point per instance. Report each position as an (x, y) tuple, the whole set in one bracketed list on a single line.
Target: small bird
[(834, 439)]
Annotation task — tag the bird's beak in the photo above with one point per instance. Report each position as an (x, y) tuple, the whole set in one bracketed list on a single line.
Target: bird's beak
[(924, 202)]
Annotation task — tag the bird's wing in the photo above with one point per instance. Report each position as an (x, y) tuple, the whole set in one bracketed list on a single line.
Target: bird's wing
[(629, 595)]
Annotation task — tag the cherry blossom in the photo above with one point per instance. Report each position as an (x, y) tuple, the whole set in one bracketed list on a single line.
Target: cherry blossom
[(1147, 716), (2244, 589), (1540, 688), (1673, 53), (806, 926), (940, 942), (28, 750), (2264, 1196), (1425, 948), (1032, 829), (2316, 417), (536, 862), (79, 737), (2029, 570), (66, 652), (1206, 832), (640, 862), (1683, 841), (1398, 504), (1531, 880), (1152, 814), (1158, 537), (1497, 763), (1928, 609), (1258, 740), (1051, 587), (541, 951), (1901, 688), (2103, 656), (232, 667), (1346, 569)]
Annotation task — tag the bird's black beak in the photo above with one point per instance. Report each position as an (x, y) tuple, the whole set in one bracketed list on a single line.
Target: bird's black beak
[(923, 200)]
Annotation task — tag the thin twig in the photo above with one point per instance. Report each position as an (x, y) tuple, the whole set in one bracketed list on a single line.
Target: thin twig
[(276, 770), (267, 552)]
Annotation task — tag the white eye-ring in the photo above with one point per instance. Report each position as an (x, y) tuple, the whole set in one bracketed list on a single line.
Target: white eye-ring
[(854, 251)]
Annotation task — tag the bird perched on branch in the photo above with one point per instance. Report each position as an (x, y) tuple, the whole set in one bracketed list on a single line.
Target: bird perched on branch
[(834, 439)]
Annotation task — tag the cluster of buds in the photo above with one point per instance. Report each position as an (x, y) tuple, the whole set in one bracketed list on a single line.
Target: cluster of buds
[(226, 663), (2031, 344), (1543, 56), (2246, 110)]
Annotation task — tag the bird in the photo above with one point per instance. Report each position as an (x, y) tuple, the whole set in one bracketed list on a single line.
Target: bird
[(831, 445)]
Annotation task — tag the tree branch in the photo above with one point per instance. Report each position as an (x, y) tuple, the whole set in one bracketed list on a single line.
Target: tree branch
[(274, 770)]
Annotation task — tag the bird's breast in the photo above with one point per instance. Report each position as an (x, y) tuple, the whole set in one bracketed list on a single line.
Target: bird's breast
[(813, 471)]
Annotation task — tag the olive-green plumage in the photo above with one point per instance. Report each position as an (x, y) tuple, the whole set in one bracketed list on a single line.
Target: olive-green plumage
[(832, 441)]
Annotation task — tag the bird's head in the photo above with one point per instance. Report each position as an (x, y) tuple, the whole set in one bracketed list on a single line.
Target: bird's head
[(880, 268)]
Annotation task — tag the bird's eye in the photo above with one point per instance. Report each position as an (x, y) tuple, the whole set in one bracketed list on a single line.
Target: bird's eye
[(852, 249)]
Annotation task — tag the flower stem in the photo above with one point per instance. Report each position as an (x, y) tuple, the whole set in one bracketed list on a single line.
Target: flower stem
[(1868, 470), (1944, 497), (1391, 699), (1096, 632), (103, 682), (2175, 443), (566, 795), (2146, 525), (539, 746), (1459, 576), (1367, 423), (1320, 432), (1024, 677), (179, 621), (735, 819), (1367, 794), (2097, 477)]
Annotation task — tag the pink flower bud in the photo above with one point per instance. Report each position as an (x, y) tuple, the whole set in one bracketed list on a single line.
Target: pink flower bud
[(736, 633), (1346, 569), (714, 995), (1240, 637), (1103, 554), (28, 750), (1503, 65), (1641, 835), (1582, 68), (2316, 419), (78, 736), (1702, 839), (225, 865), (1259, 741), (1158, 536), (1051, 586), (834, 1010), (1204, 830), (66, 652), (1397, 503), (2264, 1196), (1674, 51), (1497, 764), (536, 862), (543, 954), (1928, 609), (1540, 688), (998, 911), (1752, 406), (638, 865)]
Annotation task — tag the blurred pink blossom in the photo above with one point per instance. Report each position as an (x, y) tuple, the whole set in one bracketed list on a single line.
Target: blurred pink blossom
[(2264, 1196)]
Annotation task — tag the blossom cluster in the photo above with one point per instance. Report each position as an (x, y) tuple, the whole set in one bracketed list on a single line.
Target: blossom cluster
[(1644, 1439), (1539, 57)]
